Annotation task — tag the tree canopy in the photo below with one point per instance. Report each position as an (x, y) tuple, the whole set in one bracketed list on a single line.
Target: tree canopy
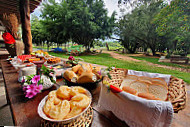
[(173, 21), (81, 21)]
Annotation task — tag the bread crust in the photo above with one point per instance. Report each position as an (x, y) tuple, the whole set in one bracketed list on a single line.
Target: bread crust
[(129, 90), (148, 96)]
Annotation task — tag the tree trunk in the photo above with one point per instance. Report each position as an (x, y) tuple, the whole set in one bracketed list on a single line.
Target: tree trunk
[(25, 20), (153, 51), (107, 46)]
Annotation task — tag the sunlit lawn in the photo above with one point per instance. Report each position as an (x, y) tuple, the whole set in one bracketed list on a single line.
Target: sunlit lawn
[(155, 61), (107, 60)]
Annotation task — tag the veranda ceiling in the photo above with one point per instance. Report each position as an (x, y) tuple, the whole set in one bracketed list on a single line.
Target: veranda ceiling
[(12, 6)]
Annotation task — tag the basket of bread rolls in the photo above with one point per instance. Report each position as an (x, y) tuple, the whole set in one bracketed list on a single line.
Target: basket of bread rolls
[(65, 104), (84, 75), (150, 88)]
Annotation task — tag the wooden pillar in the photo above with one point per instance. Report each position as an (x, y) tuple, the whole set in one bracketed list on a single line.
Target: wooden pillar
[(25, 20)]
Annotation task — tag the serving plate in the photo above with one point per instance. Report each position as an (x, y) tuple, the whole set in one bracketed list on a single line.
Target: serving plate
[(65, 121)]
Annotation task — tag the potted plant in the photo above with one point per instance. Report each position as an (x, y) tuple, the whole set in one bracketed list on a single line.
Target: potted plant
[(9, 43), (73, 61)]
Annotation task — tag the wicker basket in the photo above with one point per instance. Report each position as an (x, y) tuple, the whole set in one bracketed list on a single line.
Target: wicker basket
[(176, 88)]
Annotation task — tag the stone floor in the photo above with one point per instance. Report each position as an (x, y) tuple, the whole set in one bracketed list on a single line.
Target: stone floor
[(5, 113)]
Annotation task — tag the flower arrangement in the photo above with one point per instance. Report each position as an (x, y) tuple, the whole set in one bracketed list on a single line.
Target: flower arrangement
[(49, 72), (73, 61), (32, 85)]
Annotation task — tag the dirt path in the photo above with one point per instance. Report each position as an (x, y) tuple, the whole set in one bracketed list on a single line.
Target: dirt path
[(127, 58)]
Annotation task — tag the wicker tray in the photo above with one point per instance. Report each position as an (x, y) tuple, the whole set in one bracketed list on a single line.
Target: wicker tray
[(176, 88), (84, 121)]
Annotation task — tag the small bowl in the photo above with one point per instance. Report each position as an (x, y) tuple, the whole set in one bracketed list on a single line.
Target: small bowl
[(65, 121)]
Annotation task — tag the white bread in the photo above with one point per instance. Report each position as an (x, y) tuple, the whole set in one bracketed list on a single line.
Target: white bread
[(127, 82), (159, 91), (145, 79), (131, 77), (147, 96), (140, 86), (159, 81), (129, 90)]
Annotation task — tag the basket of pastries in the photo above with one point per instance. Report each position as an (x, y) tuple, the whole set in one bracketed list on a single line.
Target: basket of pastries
[(84, 75), (65, 104), (150, 88)]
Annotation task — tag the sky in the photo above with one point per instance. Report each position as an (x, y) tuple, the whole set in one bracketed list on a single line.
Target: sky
[(111, 5)]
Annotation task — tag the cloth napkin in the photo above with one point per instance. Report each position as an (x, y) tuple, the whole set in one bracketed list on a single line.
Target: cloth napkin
[(135, 111)]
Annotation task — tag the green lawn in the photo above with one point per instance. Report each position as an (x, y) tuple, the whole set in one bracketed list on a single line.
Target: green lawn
[(107, 60), (155, 61)]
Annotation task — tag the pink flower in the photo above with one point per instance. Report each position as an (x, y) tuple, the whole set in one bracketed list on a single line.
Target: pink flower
[(71, 58), (31, 88), (39, 88), (24, 88), (30, 94), (35, 79)]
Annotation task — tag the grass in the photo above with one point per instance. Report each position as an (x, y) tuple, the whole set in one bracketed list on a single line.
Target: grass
[(107, 60), (155, 61)]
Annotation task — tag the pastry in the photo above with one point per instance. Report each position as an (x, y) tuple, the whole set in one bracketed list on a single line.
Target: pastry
[(80, 100), (86, 77), (84, 68), (76, 68), (70, 76), (63, 92), (60, 111)]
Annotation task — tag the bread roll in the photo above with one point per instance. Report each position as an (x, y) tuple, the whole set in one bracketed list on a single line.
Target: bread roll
[(70, 76), (159, 91), (140, 86), (129, 90), (84, 68), (147, 96), (86, 77), (96, 70), (76, 68)]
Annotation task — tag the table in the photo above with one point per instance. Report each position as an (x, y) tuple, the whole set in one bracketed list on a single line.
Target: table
[(24, 111)]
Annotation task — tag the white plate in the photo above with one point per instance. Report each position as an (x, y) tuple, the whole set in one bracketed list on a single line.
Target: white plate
[(65, 121)]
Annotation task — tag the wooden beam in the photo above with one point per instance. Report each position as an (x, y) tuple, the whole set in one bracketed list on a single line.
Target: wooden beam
[(25, 21)]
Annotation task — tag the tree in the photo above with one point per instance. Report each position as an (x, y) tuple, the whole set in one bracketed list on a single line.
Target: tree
[(137, 28), (83, 21), (173, 21)]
